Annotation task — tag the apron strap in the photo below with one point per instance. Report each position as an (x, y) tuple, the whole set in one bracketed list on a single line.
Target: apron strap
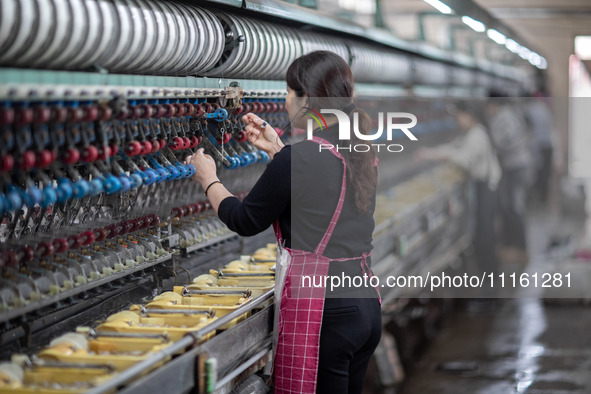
[(337, 213)]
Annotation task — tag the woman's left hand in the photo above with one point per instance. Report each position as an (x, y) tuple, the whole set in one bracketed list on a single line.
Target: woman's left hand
[(205, 168)]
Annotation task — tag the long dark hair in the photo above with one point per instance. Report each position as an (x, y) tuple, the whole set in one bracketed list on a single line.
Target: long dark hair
[(322, 74)]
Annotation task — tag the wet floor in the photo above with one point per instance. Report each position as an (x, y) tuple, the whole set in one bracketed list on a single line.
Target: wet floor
[(527, 345), (524, 346)]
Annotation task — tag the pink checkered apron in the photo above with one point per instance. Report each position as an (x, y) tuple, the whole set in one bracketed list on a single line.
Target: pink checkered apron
[(299, 317)]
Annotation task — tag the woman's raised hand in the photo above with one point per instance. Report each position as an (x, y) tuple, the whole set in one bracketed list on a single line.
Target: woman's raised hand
[(261, 134)]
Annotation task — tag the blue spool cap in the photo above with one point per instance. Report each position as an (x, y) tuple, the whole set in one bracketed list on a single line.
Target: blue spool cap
[(31, 196), (63, 190), (145, 177), (13, 200), (162, 175), (111, 184), (48, 196), (136, 180), (152, 176), (96, 186), (253, 157), (181, 169), (230, 160), (174, 173), (80, 189), (265, 157), (246, 158), (125, 183), (241, 161), (190, 170)]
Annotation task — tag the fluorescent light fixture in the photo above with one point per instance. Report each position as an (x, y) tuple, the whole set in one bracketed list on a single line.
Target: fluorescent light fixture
[(523, 53), (440, 6), (496, 36), (512, 45), (474, 24), (534, 59)]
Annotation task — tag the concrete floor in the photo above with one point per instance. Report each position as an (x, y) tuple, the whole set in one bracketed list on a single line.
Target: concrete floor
[(521, 345)]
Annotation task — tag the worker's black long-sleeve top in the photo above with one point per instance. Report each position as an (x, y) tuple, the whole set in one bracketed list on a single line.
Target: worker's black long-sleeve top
[(301, 187)]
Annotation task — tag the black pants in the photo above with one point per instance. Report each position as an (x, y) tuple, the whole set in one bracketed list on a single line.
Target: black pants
[(351, 331), (512, 191)]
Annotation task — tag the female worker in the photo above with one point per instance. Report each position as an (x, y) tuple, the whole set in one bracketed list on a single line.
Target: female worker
[(321, 203), (473, 152)]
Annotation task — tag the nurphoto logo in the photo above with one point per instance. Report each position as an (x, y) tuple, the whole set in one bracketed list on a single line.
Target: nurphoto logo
[(392, 123)]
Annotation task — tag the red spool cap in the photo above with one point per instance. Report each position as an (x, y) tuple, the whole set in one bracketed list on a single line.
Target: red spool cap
[(169, 109), (239, 110), (26, 160), (87, 237), (189, 109), (75, 115), (180, 109), (146, 147), (60, 245), (194, 142), (71, 156), (134, 148), (226, 138), (6, 163), (90, 154), (155, 219), (41, 115), (215, 106), (146, 110), (190, 209), (59, 114), (90, 114), (23, 116), (206, 206), (142, 222), (241, 136), (44, 158), (74, 241), (104, 152), (177, 143), (45, 249), (135, 112), (162, 143), (111, 230), (53, 155), (155, 145), (100, 234), (186, 143), (198, 110), (6, 116), (104, 112), (207, 107), (177, 212), (114, 149), (27, 253), (159, 111)]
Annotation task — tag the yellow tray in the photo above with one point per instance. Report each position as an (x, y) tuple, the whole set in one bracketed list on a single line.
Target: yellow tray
[(47, 380), (175, 326), (218, 310), (114, 352)]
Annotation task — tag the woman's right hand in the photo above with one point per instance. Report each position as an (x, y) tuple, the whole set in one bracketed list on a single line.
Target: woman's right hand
[(266, 139)]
